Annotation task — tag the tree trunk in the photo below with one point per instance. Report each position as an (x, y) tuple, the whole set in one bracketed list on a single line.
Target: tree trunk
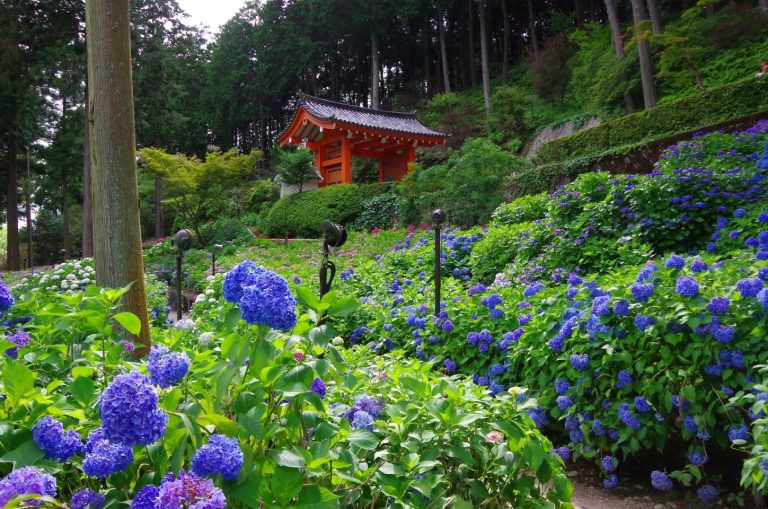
[(578, 12), (505, 43), (484, 58), (12, 202), (87, 203), (653, 10), (28, 207), (644, 52), (471, 24), (159, 233), (427, 60), (374, 68), (532, 28), (116, 226), (618, 47), (443, 49), (67, 239), (764, 6)]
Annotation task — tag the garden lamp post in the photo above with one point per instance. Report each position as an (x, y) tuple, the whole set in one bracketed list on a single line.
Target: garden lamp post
[(334, 235), (438, 218), (216, 249), (183, 241)]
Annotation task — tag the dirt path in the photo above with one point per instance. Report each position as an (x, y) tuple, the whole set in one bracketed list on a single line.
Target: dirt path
[(588, 493)]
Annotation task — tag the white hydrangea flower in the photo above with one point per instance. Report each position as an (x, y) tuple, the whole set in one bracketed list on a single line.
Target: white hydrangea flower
[(205, 338), (200, 298), (71, 277), (209, 291), (185, 324), (64, 285), (212, 300)]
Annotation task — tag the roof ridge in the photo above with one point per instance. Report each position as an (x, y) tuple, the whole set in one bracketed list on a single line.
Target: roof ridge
[(303, 96)]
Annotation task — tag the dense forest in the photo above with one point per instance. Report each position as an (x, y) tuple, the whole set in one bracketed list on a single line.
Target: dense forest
[(497, 69)]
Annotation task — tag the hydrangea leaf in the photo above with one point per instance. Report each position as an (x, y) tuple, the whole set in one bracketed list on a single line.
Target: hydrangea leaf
[(286, 483), (17, 380), (129, 321)]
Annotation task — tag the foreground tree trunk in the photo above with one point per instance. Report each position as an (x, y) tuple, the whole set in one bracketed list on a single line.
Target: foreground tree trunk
[(471, 24), (644, 52), (484, 58), (443, 49), (116, 225), (87, 203), (618, 47), (578, 12), (12, 202)]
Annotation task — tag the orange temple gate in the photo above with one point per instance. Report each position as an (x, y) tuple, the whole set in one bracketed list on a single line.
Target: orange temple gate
[(336, 132)]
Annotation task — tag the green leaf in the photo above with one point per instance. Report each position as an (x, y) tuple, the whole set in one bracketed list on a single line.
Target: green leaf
[(287, 458), (287, 483), (24, 455), (307, 298), (83, 390), (129, 321), (343, 306), (315, 497), (363, 439), (17, 380)]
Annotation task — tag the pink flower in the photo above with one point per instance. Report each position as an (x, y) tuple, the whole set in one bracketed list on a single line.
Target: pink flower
[(298, 355), (494, 436)]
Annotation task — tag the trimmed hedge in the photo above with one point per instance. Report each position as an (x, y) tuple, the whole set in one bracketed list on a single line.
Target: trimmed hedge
[(301, 215), (689, 113)]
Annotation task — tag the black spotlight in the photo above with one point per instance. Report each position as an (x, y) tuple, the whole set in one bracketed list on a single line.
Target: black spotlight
[(183, 241), (334, 235)]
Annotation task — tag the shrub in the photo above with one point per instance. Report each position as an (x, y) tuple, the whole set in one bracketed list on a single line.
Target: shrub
[(302, 214), (499, 247), (717, 105), (378, 212), (526, 208)]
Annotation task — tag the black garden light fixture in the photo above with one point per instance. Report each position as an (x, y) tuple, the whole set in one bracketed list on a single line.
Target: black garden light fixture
[(334, 235), (183, 241), (438, 218), (216, 249)]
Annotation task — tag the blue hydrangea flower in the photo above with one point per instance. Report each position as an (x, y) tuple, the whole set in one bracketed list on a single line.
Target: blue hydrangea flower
[(624, 379), (496, 370), (621, 308), (749, 288), (269, 301), (707, 493), (641, 292), (697, 458), (27, 481), (739, 213), (675, 262), (641, 405), (642, 322), (146, 498), (495, 388), (762, 298), (690, 425), (221, 455), (242, 275), (533, 289), (661, 481), (105, 458), (607, 464), (564, 402), (611, 482), (362, 420), (496, 313), (167, 368), (563, 452), (87, 499), (20, 339), (369, 404), (50, 437), (129, 411), (580, 362), (719, 305), (447, 326), (627, 417), (189, 491), (318, 387), (698, 266), (6, 299), (740, 432), (600, 306), (449, 365), (687, 287), (561, 386)]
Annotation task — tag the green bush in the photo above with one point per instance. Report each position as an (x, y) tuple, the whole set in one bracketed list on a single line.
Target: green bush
[(717, 105), (378, 212), (526, 208), (499, 247), (468, 185), (301, 215)]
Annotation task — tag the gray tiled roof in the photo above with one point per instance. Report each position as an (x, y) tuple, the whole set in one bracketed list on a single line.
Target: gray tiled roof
[(406, 123)]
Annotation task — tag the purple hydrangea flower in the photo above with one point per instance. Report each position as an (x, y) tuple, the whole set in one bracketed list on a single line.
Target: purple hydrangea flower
[(697, 458), (450, 366), (624, 379), (50, 437), (687, 287), (621, 308), (580, 362), (740, 432), (564, 402), (318, 387), (6, 299), (104, 458), (242, 275), (146, 498), (87, 499), (707, 493), (561, 386), (563, 452), (447, 326), (20, 339), (641, 292), (675, 262), (661, 481), (167, 368), (607, 464), (27, 481), (129, 411), (362, 420), (269, 301), (719, 305), (189, 491), (749, 288), (611, 482), (221, 455), (642, 322), (698, 266)]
